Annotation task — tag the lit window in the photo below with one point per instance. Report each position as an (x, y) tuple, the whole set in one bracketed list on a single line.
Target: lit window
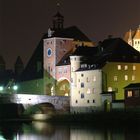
[(110, 89), (115, 78), (119, 67), (88, 91), (133, 77), (129, 93), (125, 67), (94, 78), (126, 77), (82, 95), (82, 85), (134, 67)]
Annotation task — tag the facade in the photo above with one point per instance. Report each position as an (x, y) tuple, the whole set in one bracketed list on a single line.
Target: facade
[(86, 87), (132, 96), (132, 37), (48, 70)]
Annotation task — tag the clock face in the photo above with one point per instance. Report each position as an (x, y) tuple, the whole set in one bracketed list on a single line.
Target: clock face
[(49, 52)]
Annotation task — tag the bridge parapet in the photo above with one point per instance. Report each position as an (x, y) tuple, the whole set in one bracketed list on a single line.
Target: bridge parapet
[(59, 102)]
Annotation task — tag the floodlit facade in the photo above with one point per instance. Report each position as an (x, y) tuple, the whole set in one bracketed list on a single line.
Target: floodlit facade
[(132, 37), (86, 87)]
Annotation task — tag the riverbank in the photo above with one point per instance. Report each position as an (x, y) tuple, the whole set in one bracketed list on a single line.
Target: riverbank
[(96, 118)]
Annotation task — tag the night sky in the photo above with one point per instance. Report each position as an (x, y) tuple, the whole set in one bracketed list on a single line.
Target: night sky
[(23, 22)]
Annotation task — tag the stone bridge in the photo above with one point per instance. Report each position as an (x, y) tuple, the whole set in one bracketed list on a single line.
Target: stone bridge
[(59, 103)]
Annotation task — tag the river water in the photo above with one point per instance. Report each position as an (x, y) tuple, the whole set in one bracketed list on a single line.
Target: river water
[(46, 131)]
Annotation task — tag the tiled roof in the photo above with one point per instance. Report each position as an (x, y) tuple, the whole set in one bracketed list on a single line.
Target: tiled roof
[(133, 85), (71, 32), (137, 34)]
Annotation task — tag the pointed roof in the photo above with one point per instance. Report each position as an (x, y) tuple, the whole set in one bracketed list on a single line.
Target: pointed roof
[(19, 61), (58, 15), (2, 60), (71, 32), (137, 34)]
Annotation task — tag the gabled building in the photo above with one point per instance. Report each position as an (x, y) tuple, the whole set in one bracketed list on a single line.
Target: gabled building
[(46, 72), (132, 37), (99, 74)]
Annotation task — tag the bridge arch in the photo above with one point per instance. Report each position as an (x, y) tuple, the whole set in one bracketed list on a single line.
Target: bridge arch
[(41, 108), (63, 87)]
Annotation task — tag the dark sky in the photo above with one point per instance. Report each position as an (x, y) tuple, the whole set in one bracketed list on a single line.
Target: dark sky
[(22, 22)]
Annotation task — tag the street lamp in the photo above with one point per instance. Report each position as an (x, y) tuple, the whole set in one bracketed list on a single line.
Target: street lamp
[(15, 87)]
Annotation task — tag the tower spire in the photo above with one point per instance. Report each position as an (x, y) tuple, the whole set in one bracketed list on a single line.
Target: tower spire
[(58, 19)]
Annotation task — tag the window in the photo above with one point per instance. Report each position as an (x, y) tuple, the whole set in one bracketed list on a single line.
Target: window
[(110, 89), (93, 90), (94, 78), (129, 93), (133, 77), (82, 75), (136, 93), (78, 80), (93, 101), (125, 67), (82, 85), (134, 67), (65, 69), (115, 78), (76, 101), (126, 77), (60, 70), (72, 80), (87, 79), (82, 95), (119, 67), (88, 91), (87, 101)]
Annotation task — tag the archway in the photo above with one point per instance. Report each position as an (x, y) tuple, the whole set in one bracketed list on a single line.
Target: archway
[(63, 88)]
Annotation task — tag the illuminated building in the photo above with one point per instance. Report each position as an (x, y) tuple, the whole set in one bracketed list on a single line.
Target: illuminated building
[(46, 72), (99, 74), (132, 37)]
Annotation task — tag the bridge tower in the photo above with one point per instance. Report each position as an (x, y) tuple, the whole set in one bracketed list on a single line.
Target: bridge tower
[(55, 48)]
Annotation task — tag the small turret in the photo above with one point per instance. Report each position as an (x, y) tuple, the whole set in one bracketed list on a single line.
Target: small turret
[(18, 66), (58, 21)]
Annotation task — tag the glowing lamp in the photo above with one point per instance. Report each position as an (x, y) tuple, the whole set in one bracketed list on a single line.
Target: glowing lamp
[(15, 87), (1, 88)]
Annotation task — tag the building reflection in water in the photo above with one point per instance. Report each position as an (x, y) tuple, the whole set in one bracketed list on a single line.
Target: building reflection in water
[(44, 131)]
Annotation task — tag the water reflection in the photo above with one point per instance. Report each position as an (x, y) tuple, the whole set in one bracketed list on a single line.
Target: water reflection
[(46, 131)]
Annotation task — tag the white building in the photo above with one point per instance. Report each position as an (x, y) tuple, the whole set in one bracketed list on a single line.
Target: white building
[(132, 37), (86, 86)]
